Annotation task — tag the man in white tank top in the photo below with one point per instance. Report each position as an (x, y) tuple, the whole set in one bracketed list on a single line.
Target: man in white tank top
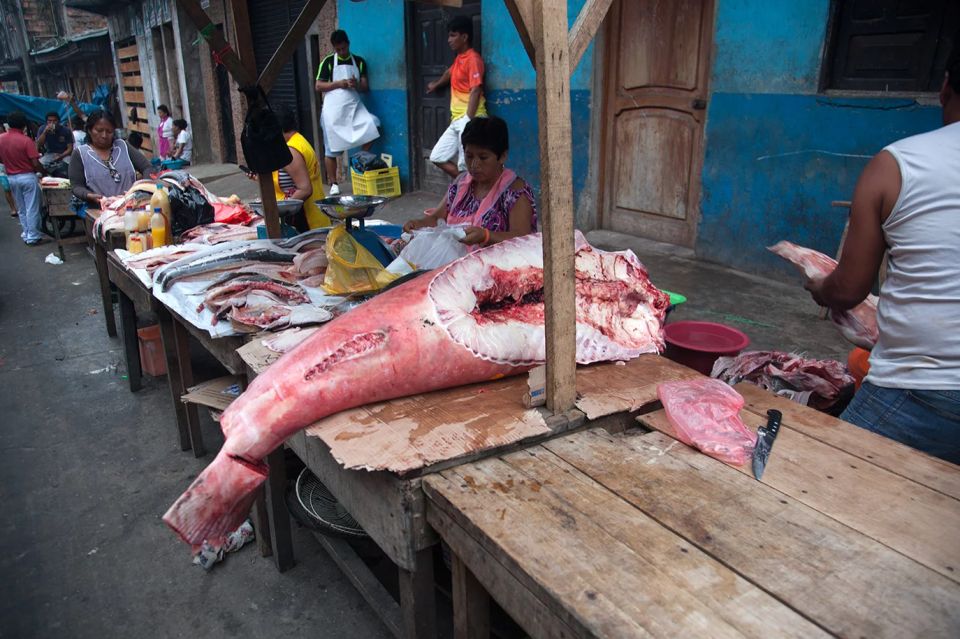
[(907, 201)]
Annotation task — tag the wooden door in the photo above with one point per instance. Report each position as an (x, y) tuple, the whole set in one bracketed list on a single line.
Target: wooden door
[(655, 106), (431, 111)]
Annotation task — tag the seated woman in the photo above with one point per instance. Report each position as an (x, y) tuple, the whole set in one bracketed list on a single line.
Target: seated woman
[(105, 166), (301, 179), (493, 203)]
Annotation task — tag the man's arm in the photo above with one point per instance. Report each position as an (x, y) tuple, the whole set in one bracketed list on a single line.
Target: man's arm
[(436, 84), (874, 197), (42, 138), (474, 102), (67, 152)]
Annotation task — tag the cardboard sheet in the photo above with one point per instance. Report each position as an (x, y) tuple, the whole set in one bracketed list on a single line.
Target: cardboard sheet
[(610, 387), (412, 432), (217, 393)]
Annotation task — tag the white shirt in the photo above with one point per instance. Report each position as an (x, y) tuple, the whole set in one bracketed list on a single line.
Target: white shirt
[(79, 137), (167, 129), (186, 140), (919, 310)]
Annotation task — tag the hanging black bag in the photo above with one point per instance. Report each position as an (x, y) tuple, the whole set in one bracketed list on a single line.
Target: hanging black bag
[(264, 148)]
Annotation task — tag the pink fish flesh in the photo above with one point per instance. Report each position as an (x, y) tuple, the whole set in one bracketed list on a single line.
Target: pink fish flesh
[(233, 292), (705, 414), (858, 325), (476, 319)]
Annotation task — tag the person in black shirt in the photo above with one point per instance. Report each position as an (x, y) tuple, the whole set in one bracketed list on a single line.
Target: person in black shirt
[(55, 141)]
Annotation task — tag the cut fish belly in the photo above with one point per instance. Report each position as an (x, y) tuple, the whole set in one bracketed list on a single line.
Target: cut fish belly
[(478, 318), (858, 325)]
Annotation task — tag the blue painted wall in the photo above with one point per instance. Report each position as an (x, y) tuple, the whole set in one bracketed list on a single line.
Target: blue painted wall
[(510, 83), (777, 152), (376, 31)]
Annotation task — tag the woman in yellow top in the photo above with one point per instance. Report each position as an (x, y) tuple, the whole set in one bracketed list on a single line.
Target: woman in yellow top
[(301, 179)]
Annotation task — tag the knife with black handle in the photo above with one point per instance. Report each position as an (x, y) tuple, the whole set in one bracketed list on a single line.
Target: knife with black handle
[(765, 438)]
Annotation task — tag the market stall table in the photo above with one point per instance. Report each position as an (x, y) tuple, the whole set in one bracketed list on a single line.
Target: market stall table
[(56, 208), (597, 534), (389, 447)]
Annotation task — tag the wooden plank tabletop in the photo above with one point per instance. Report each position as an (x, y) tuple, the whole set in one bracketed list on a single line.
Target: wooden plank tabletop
[(636, 534)]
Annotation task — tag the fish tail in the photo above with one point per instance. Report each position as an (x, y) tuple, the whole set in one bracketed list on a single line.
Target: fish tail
[(217, 501)]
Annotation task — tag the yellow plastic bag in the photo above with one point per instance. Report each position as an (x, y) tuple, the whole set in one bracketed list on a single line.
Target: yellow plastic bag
[(351, 268)]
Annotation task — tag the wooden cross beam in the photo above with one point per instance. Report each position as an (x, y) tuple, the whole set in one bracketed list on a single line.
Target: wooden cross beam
[(243, 72), (580, 36), (555, 53)]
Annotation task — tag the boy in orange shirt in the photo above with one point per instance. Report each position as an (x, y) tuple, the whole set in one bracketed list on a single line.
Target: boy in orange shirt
[(466, 95)]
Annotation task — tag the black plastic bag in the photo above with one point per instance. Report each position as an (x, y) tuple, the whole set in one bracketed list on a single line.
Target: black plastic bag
[(188, 208), (264, 148), (365, 161)]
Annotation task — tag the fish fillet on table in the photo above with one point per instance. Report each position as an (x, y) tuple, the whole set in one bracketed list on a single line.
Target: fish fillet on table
[(858, 325), (476, 319)]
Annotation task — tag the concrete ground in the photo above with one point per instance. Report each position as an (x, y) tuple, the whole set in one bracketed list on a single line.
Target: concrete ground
[(89, 467)]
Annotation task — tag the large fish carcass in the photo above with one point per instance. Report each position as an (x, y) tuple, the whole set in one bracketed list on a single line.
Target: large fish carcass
[(476, 319)]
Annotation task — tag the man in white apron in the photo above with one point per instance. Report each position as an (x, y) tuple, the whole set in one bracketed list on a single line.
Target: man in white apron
[(346, 122)]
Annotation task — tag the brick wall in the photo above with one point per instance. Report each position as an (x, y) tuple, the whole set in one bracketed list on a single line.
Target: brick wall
[(80, 21)]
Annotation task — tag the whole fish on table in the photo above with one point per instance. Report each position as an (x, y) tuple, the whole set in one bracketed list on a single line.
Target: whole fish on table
[(478, 318), (218, 260)]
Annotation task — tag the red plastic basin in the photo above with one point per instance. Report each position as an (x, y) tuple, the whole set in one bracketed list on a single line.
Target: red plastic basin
[(699, 344)]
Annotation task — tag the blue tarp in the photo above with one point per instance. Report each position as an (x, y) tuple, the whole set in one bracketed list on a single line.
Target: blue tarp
[(36, 109)]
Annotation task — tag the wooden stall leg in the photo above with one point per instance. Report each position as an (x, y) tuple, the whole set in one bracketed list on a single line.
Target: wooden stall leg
[(261, 522), (55, 221), (131, 350), (280, 537), (471, 604), (181, 339), (173, 376), (100, 255), (418, 603)]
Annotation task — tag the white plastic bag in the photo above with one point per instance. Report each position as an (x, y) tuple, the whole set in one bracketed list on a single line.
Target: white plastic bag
[(434, 246)]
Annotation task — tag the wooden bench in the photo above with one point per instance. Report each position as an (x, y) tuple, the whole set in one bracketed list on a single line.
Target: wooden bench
[(634, 534)]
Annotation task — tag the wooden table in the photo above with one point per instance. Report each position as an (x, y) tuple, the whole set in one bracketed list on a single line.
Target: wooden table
[(634, 534), (56, 203), (391, 507)]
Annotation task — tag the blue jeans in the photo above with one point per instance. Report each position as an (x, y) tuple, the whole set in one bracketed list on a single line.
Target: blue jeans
[(928, 420), (26, 193)]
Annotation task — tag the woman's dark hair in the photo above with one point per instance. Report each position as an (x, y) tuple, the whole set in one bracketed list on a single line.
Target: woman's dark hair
[(96, 116), (488, 133), (164, 108), (17, 120), (287, 118), (461, 24), (180, 124), (135, 140), (339, 37)]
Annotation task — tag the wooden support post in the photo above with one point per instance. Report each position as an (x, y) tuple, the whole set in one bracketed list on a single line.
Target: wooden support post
[(471, 604), (556, 175), (290, 43), (418, 598), (521, 11), (583, 30)]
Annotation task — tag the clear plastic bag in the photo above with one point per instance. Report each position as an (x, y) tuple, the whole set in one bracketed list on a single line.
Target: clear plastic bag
[(351, 268), (435, 246)]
